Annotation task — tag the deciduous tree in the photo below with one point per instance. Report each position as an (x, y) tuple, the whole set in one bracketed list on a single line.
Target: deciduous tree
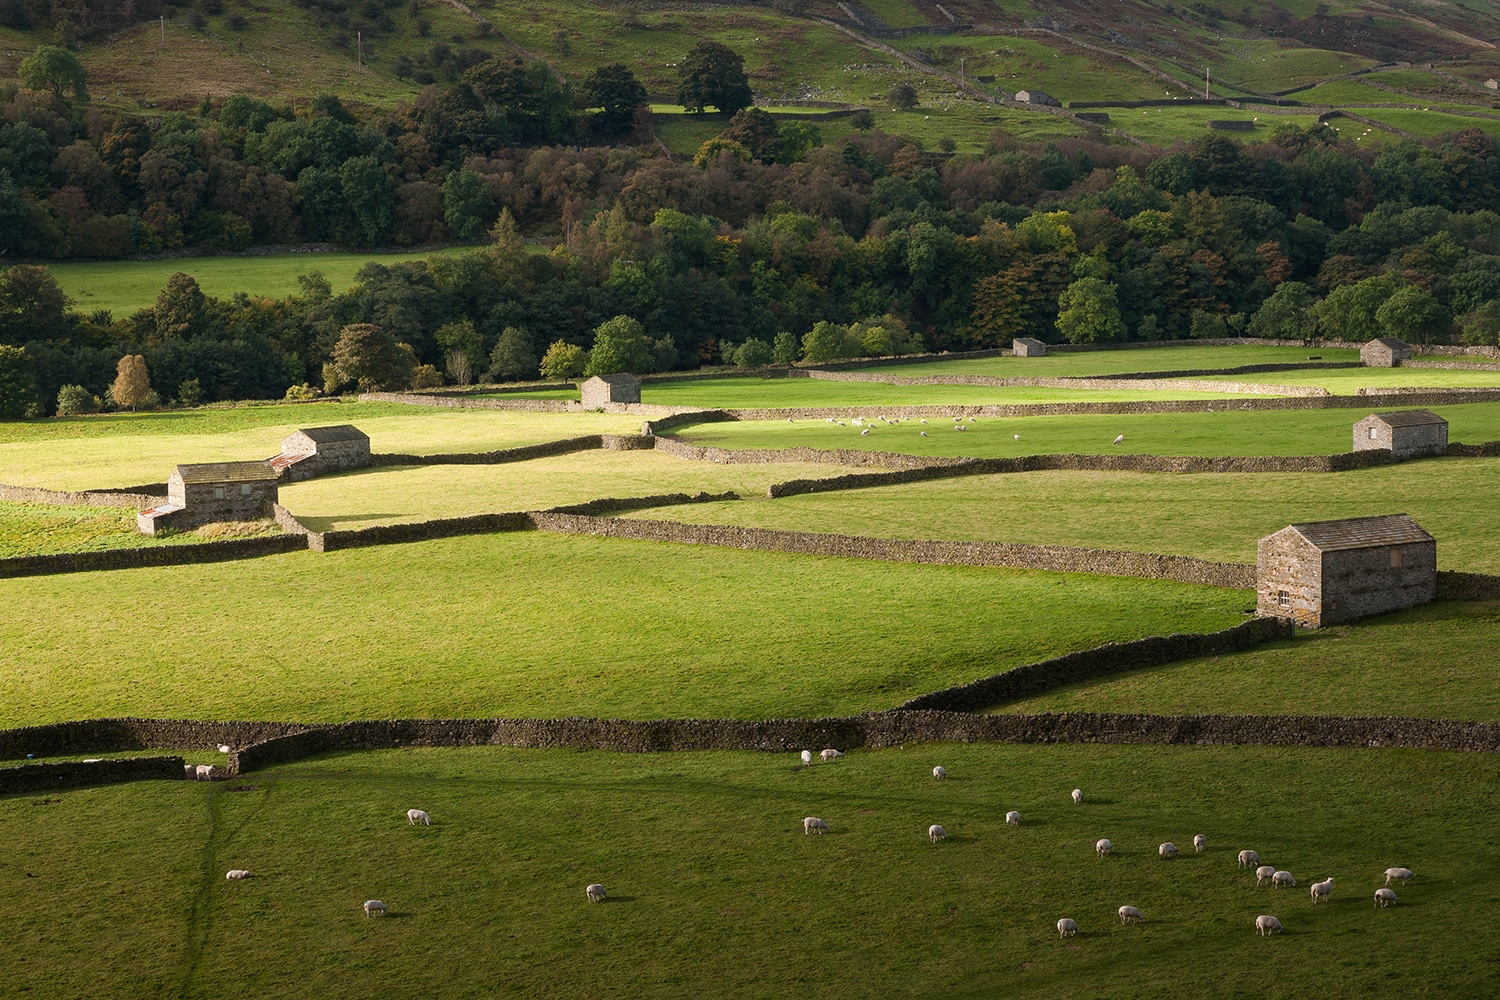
[(713, 75), (132, 388), (619, 346), (55, 69), (366, 354)]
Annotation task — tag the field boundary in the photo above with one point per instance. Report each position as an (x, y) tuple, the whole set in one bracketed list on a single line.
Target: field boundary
[(80, 498), (77, 774), (1142, 381)]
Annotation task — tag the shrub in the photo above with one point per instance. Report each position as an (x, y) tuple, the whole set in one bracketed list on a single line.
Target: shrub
[(903, 96), (426, 377), (784, 348), (75, 399), (301, 393), (190, 392), (753, 354)]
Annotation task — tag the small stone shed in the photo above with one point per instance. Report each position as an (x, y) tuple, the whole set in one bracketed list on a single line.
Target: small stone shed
[(1028, 347), (603, 389), (1385, 352), (314, 451), (1335, 571), (1404, 433), (1037, 97), (219, 491)]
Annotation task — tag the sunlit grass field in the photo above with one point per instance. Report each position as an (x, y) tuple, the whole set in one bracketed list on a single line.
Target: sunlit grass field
[(1078, 364), (732, 393), (28, 529), (1347, 381)]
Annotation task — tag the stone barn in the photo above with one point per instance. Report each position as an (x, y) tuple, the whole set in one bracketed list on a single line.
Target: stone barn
[(1385, 352), (603, 389), (1037, 97), (1405, 433), (314, 451), (1028, 347), (1335, 571), (219, 491)]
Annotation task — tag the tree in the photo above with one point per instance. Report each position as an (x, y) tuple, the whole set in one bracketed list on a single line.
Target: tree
[(366, 354), (619, 346), (714, 75), (461, 337), (132, 388), (514, 357), (468, 203), (367, 192), (903, 96), (1285, 314), (563, 360), (180, 308), (74, 399), (614, 90), (712, 149), (753, 353), (17, 382), (784, 348), (1089, 312), (757, 131), (824, 342), (1412, 315), (55, 69)]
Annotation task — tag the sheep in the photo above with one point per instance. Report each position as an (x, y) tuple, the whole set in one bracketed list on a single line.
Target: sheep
[(1279, 879), (814, 825), (189, 772), (224, 748), (595, 892), (1077, 794), (373, 907), (1323, 889), (1129, 914), (415, 816), (1102, 847), (91, 760), (807, 758), (1120, 439), (831, 754), (207, 772), (1012, 818), (1248, 858), (936, 833), (939, 772), (1384, 897), (1263, 874), (924, 433), (1067, 927), (789, 420), (1200, 843), (235, 874), (865, 432), (924, 420), (1392, 874), (1266, 925), (1167, 850)]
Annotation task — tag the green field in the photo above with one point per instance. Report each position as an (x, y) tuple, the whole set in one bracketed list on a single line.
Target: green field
[(29, 529), (1078, 364), (1347, 381), (704, 860), (783, 392), (1166, 125)]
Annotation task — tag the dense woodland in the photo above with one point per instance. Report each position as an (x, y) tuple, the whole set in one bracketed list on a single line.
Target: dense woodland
[(775, 243)]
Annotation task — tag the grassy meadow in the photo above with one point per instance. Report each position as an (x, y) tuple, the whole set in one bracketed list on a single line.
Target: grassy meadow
[(1348, 381), (782, 392), (703, 856), (29, 529), (1080, 364)]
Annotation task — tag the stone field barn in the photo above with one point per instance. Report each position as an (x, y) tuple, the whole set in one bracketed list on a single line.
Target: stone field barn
[(217, 491), (1028, 347), (603, 389), (1335, 571), (1385, 352), (1405, 434), (314, 451)]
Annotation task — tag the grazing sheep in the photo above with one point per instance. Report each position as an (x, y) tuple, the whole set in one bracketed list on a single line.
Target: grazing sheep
[(1120, 439), (1012, 818), (865, 432), (939, 772), (1077, 794), (207, 772), (814, 825), (1130, 915), (924, 433), (415, 816), (831, 754), (936, 833), (1248, 858), (789, 420), (1016, 436), (1384, 897), (595, 892), (235, 874), (806, 758), (1067, 927), (224, 748), (1392, 874), (924, 420), (1167, 850), (1103, 847), (1263, 874), (374, 906), (1200, 843), (1323, 889), (1266, 925), (1279, 879)]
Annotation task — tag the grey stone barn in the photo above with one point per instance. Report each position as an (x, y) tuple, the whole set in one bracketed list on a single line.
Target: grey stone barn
[(220, 491), (603, 389), (1335, 571), (314, 451), (1028, 347), (1404, 433), (1385, 352), (1037, 97)]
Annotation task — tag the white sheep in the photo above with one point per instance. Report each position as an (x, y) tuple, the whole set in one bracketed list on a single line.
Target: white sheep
[(924, 420), (936, 833), (1384, 897), (91, 760), (924, 433), (1120, 439), (1130, 915), (1103, 847), (1393, 874), (373, 907), (814, 825), (1167, 850), (1323, 889), (224, 748), (595, 892), (1279, 879), (1067, 927), (415, 816), (1248, 858), (1012, 818), (207, 772), (806, 758), (865, 432), (1263, 874), (939, 772), (1200, 843), (1077, 794), (831, 754), (235, 874), (1266, 925)]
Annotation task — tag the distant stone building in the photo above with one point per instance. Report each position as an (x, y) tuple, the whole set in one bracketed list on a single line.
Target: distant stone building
[(1385, 352), (603, 389), (1334, 571), (1028, 347), (1492, 83), (1405, 434), (220, 491), (1037, 97), (314, 451)]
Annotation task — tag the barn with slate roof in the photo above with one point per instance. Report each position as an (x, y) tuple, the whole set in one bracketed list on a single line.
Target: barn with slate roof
[(1405, 433), (601, 389), (1335, 571), (217, 491), (1028, 347), (314, 451), (1385, 352)]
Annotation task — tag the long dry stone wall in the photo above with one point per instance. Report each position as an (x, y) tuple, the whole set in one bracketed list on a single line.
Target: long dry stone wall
[(159, 555), (77, 774), (1144, 382), (1453, 586), (830, 456), (114, 735), (588, 442), (81, 498)]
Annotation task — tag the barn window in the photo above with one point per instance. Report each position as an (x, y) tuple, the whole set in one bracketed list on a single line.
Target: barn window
[(218, 493), (245, 489), (1373, 434), (1283, 598), (1396, 558)]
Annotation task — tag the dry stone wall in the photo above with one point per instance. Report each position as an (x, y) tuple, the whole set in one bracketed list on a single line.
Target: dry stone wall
[(1145, 382), (762, 456), (1453, 586), (83, 498), (76, 774), (158, 555), (113, 735), (588, 442)]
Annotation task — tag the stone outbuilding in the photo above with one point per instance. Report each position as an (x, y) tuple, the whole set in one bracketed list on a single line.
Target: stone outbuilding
[(1404, 433), (1028, 347), (1037, 97), (601, 389), (218, 491), (1385, 352), (314, 451), (1335, 571)]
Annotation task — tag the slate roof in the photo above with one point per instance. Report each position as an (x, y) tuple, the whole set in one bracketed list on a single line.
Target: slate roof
[(1363, 532), (338, 432), (227, 472), (1409, 418), (1393, 343), (621, 378)]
